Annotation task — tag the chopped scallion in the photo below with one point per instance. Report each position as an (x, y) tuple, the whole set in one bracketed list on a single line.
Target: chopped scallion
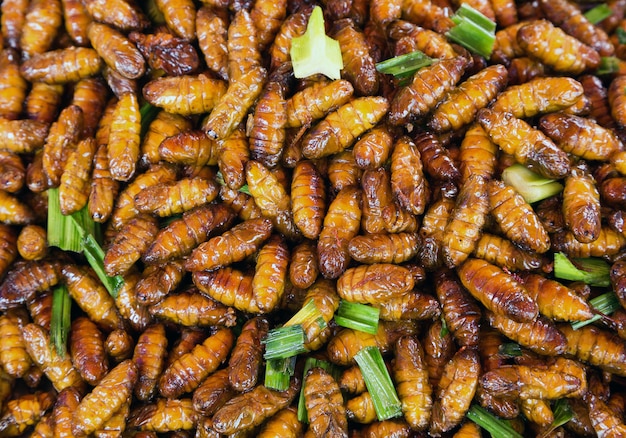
[(604, 304), (60, 319), (403, 66), (284, 342), (621, 35), (444, 327), (562, 412), (62, 231), (492, 424), (473, 31), (357, 316), (593, 271), (95, 257), (510, 349), (315, 52), (609, 65), (532, 186), (148, 113), (310, 363), (378, 382), (278, 373), (598, 13)]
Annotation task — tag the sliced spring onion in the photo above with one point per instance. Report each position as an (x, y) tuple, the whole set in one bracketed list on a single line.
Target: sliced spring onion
[(593, 271), (492, 424), (307, 315), (60, 319), (510, 349), (283, 342), (609, 65), (310, 363), (562, 412), (357, 316), (598, 13), (278, 373), (604, 304), (95, 257), (403, 66), (621, 35), (532, 186), (62, 231), (473, 31), (148, 112), (315, 52), (378, 383)]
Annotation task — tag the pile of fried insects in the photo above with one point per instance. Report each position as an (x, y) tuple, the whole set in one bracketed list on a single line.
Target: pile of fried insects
[(277, 218)]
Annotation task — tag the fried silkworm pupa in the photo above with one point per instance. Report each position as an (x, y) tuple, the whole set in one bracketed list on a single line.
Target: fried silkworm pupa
[(118, 13), (270, 274), (497, 291), (268, 193), (283, 424), (185, 95), (343, 171), (250, 409), (293, 26), (246, 357), (14, 357), (316, 101), (164, 125), (119, 345), (213, 392), (23, 411), (324, 402), (8, 248), (131, 310), (132, 240), (503, 253), (303, 269), (192, 309), (75, 183), (377, 196), (427, 14), (608, 243), (104, 188), (460, 311), (242, 46), (86, 345), (581, 206), (116, 50), (540, 336), (409, 37), (149, 356), (123, 147), (76, 20), (374, 283), (63, 411), (412, 305), (596, 346), (62, 66), (12, 84), (603, 419), (384, 247), (105, 399), (408, 184), (13, 17), (308, 199), (167, 199), (212, 32), (229, 286), (164, 415), (25, 279), (41, 23), (180, 17), (32, 242)]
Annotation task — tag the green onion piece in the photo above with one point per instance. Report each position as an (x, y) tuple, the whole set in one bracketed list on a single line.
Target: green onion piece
[(315, 52), (378, 383), (278, 373), (598, 13), (403, 66), (604, 304), (148, 113), (219, 178), (532, 186), (95, 257), (62, 232), (562, 413), (621, 35), (312, 362), (510, 349), (444, 327), (284, 342), (61, 319), (357, 316), (492, 424), (608, 65), (593, 271), (473, 31), (309, 314)]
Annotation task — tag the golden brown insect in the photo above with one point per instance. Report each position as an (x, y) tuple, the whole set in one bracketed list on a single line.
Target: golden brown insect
[(460, 311), (556, 49), (427, 88), (461, 104), (36, 180), (284, 424), (12, 21), (580, 136), (434, 222), (539, 96), (242, 46), (58, 369), (317, 100), (130, 309), (149, 356), (233, 155), (62, 65), (343, 171), (86, 345), (581, 206), (373, 148), (91, 296), (540, 335), (120, 14), (436, 160), (503, 253), (105, 399), (43, 102), (529, 145), (13, 354), (408, 184), (214, 391), (12, 172), (8, 248), (25, 279), (340, 128), (412, 384), (409, 37), (180, 17), (377, 196), (116, 50), (190, 308), (267, 18), (233, 105), (119, 345), (268, 283), (555, 300), (41, 23), (506, 46), (360, 409), (90, 94), (167, 199), (123, 147), (516, 217), (427, 14), (76, 20), (525, 69), (412, 305), (12, 85), (24, 411), (22, 136), (164, 51), (187, 372), (184, 95), (66, 403), (303, 269), (324, 403), (308, 199), (164, 415), (374, 283), (129, 244), (246, 357), (496, 290), (384, 248), (212, 32), (229, 286), (104, 188), (597, 93), (466, 221), (74, 186), (609, 242), (189, 147), (596, 346), (604, 420), (351, 381), (293, 26), (455, 390)]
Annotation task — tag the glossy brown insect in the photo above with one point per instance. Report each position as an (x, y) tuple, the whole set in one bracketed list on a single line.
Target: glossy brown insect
[(167, 199), (325, 408), (409, 37), (43, 102), (213, 392), (22, 136), (229, 286), (267, 18), (268, 283), (25, 279), (603, 419), (180, 17), (293, 26), (104, 188), (12, 21), (506, 46), (212, 32), (123, 147), (242, 46), (23, 411), (408, 184), (185, 95), (12, 86), (246, 357), (595, 346), (41, 23), (8, 248), (540, 335), (120, 14), (581, 199), (129, 244), (284, 423), (460, 311), (412, 305), (374, 283), (316, 101), (377, 196), (436, 160), (384, 248), (63, 410), (164, 415), (86, 345), (308, 199), (116, 50), (74, 186), (12, 172), (134, 313), (164, 51), (119, 345), (303, 269), (62, 66), (427, 14), (149, 356), (609, 242), (191, 309), (13, 354)]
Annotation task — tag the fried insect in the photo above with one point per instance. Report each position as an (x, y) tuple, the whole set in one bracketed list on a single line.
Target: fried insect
[(116, 50), (284, 424), (13, 16), (374, 283), (12, 172), (604, 420), (466, 221), (596, 346), (529, 145), (214, 391), (412, 305), (119, 345), (180, 17), (233, 156), (246, 357), (22, 136), (8, 248), (438, 163), (408, 184), (377, 196), (149, 356), (118, 13), (14, 357), (242, 46), (229, 286), (497, 291), (191, 309), (167, 199), (74, 186), (556, 49), (581, 206), (212, 32), (460, 312), (164, 51), (66, 403), (384, 248), (412, 384), (340, 128), (540, 335), (24, 411), (410, 37), (341, 223), (123, 147), (427, 14), (86, 344), (303, 269), (316, 101), (105, 399), (130, 309), (324, 403), (461, 104), (427, 88), (268, 283), (292, 27), (129, 244), (185, 95), (503, 253), (164, 415), (104, 188), (58, 369), (62, 66), (12, 85), (43, 102), (41, 24), (609, 242), (308, 199), (25, 279)]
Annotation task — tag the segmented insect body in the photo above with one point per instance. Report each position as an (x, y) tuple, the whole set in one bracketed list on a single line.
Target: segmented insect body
[(130, 309), (14, 357), (384, 248), (242, 46), (427, 88), (496, 290), (62, 65), (324, 402), (466, 221), (74, 187), (86, 345), (540, 336), (603, 419), (24, 280), (308, 199), (529, 145), (581, 206), (105, 399), (76, 20), (104, 188), (13, 15), (437, 161), (317, 100), (189, 308), (292, 27), (556, 49), (164, 415), (167, 199), (12, 85), (118, 13), (41, 24), (123, 147), (412, 385), (461, 313), (22, 136), (374, 283), (24, 411), (212, 32), (233, 156), (214, 391), (229, 286), (609, 242), (427, 14), (12, 172), (247, 354), (63, 411), (284, 423), (268, 283), (129, 244), (116, 50), (597, 93), (185, 95), (43, 102), (340, 128), (180, 17), (461, 104), (8, 248), (412, 305), (555, 300), (596, 346), (267, 18), (408, 184), (410, 37), (505, 254), (303, 269)]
